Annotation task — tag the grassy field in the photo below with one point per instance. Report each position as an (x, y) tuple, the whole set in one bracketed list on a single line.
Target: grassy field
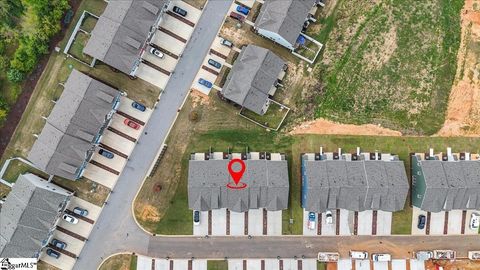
[(388, 62), (271, 119), (17, 167), (217, 265), (120, 262), (78, 44), (89, 23)]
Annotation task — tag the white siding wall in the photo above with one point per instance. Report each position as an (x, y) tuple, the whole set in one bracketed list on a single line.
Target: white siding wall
[(275, 37)]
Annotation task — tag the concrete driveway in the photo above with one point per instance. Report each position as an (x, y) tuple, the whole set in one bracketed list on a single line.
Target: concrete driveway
[(74, 245), (399, 264), (455, 222), (415, 214), (346, 222), (126, 108), (116, 163), (219, 221), (384, 223), (306, 230), (381, 266), (417, 265), (437, 223), (117, 142), (152, 75), (167, 63), (93, 210), (237, 223), (362, 265), (365, 222), (344, 264), (117, 123), (168, 43), (64, 262), (255, 221), (274, 222), (193, 14), (467, 223), (176, 26), (329, 229), (100, 175), (82, 228), (202, 228)]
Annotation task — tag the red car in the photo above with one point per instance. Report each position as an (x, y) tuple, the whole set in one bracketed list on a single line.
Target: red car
[(237, 16), (131, 124)]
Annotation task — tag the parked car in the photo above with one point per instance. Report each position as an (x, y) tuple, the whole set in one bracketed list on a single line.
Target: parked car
[(243, 10), (70, 219), (329, 217), (226, 42), (196, 217), (156, 52), (131, 124), (381, 257), (237, 16), (53, 253), (180, 11), (59, 244), (105, 153), (474, 221), (205, 83), (421, 222), (311, 221), (424, 255), (214, 63), (80, 211), (139, 106), (359, 255)]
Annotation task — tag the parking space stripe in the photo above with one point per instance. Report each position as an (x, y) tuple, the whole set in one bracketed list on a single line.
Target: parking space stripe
[(319, 224), (299, 265), (118, 132), (210, 70), (212, 51), (106, 168), (262, 264), (354, 266), (210, 222), (464, 218), (190, 265), (171, 264), (244, 264), (427, 230), (106, 147), (72, 234), (355, 223), (79, 217), (337, 223), (153, 264), (374, 222), (180, 18), (445, 224), (156, 67), (245, 223), (265, 221), (170, 33), (63, 251), (227, 229), (164, 50), (131, 118)]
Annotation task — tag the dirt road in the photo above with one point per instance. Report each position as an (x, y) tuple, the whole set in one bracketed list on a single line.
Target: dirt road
[(323, 126)]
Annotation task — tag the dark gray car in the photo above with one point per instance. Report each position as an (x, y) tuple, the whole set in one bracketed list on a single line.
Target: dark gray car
[(80, 211)]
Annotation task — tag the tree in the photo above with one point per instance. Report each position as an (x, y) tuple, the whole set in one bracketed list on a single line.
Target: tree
[(15, 75)]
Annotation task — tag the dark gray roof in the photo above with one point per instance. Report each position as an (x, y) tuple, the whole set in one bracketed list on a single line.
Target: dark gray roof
[(120, 32), (77, 118), (354, 185), (28, 215), (252, 76), (267, 186), (450, 185), (284, 17)]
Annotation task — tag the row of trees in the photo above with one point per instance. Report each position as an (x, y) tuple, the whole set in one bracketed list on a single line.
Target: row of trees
[(20, 49)]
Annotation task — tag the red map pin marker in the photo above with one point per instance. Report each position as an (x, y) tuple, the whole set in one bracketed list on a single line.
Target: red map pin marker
[(236, 175)]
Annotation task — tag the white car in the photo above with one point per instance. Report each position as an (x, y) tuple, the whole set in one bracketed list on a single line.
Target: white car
[(359, 255), (70, 219), (474, 221), (329, 217), (196, 218), (156, 52), (311, 220)]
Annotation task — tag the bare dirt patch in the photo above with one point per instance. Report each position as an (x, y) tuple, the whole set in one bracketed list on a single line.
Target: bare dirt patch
[(463, 112), (453, 265), (322, 126)]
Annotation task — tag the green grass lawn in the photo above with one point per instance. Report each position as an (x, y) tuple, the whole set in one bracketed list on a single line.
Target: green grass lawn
[(178, 219), (17, 167), (78, 44), (120, 262), (217, 265), (89, 23), (271, 119), (388, 62)]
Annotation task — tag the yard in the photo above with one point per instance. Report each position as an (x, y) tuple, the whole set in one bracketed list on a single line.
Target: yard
[(76, 50), (217, 265), (384, 62), (120, 262), (17, 167), (217, 127), (272, 119)]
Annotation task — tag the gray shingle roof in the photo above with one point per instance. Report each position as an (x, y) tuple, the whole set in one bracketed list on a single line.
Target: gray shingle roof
[(77, 118), (251, 78), (28, 215), (354, 185), (121, 31), (284, 17), (267, 186), (450, 185)]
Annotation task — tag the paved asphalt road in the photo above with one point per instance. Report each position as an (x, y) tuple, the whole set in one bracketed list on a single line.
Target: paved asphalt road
[(116, 221), (116, 230)]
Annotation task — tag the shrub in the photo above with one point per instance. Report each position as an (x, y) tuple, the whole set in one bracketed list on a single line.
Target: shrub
[(15, 75)]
